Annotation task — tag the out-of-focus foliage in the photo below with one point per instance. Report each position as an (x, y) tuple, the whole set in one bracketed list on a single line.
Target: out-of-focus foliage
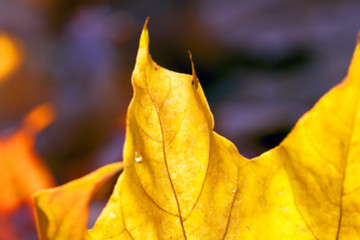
[(183, 181), (10, 56), (22, 172)]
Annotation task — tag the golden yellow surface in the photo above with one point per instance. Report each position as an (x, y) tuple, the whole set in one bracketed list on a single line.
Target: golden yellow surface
[(67, 206), (183, 181)]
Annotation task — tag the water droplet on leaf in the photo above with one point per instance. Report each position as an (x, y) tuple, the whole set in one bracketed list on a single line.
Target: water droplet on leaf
[(138, 157)]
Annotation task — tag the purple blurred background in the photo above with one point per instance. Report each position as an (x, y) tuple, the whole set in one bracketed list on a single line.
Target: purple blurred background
[(262, 65)]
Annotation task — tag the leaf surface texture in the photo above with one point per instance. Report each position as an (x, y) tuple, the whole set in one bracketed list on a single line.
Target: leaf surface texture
[(182, 180)]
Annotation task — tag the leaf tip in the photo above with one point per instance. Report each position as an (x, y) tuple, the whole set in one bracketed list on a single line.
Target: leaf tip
[(195, 80), (144, 39), (146, 23)]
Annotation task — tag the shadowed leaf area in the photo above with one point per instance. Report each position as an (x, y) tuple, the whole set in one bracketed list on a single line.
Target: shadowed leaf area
[(181, 180)]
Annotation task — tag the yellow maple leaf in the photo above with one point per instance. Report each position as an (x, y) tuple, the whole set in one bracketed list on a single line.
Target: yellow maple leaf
[(181, 180)]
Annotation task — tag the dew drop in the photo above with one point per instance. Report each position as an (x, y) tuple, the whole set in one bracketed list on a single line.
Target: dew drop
[(234, 190), (247, 229), (138, 157)]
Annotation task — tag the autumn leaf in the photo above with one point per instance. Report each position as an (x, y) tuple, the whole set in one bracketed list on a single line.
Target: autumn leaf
[(70, 203), (21, 170), (181, 180)]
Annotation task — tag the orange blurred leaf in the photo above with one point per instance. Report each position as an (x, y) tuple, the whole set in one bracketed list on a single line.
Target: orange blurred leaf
[(183, 181), (10, 56), (21, 170)]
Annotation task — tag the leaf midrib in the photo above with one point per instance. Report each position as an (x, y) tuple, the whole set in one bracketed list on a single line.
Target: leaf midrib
[(164, 154)]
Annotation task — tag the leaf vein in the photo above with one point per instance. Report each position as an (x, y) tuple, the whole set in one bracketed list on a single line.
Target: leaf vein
[(347, 153), (152, 200), (232, 205), (165, 159), (201, 190), (296, 205)]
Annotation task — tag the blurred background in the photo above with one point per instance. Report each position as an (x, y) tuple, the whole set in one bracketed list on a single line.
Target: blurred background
[(262, 65)]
